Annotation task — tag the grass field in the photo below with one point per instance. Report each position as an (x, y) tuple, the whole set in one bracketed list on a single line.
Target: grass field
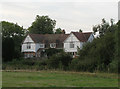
[(58, 79)]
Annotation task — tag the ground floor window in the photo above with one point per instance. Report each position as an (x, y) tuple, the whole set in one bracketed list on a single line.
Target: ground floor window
[(28, 55)]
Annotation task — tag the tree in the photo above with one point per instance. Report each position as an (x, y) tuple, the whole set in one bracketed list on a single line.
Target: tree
[(12, 37), (11, 30), (8, 50), (42, 25), (104, 27), (60, 60), (102, 53), (58, 31)]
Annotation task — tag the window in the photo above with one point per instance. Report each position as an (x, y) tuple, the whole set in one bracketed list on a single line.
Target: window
[(53, 45), (28, 46), (71, 45), (42, 45)]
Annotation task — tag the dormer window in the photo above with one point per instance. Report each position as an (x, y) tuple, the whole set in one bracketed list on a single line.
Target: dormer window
[(53, 45), (71, 45), (28, 46), (42, 45)]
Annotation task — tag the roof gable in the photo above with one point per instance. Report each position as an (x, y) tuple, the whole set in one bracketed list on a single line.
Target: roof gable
[(83, 37), (69, 38), (27, 39)]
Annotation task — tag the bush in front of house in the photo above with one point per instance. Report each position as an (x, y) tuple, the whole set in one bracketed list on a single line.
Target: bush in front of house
[(52, 51), (59, 61), (25, 64)]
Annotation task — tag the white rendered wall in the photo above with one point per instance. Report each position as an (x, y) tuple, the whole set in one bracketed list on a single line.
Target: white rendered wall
[(24, 45), (32, 49), (72, 38)]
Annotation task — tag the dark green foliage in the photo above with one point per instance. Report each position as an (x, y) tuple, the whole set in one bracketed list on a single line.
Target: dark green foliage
[(58, 31), (99, 55), (117, 50), (73, 65), (104, 27), (52, 51), (57, 61), (25, 64), (60, 60), (42, 25), (11, 30), (12, 37), (7, 49)]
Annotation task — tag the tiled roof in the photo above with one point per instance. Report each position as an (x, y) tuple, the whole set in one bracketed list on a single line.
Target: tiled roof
[(83, 37), (58, 38), (49, 38)]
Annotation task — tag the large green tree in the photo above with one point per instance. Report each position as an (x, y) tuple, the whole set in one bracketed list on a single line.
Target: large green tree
[(12, 37), (42, 25), (105, 27), (102, 53)]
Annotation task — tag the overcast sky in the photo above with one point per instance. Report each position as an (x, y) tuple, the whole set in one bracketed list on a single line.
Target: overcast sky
[(70, 15)]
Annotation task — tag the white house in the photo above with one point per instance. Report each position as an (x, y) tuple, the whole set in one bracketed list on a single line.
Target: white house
[(76, 40), (34, 44)]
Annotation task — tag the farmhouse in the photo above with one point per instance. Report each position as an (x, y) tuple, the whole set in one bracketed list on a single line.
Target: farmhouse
[(76, 40), (34, 44)]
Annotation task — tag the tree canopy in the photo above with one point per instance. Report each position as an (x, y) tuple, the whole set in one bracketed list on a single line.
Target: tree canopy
[(105, 27), (12, 37), (11, 30), (58, 31), (42, 25), (102, 53)]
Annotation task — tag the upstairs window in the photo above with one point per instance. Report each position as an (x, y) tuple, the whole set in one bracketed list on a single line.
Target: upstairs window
[(53, 45), (28, 46), (71, 45), (42, 45)]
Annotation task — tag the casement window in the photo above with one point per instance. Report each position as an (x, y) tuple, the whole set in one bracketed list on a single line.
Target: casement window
[(53, 45), (71, 45), (42, 45), (28, 46)]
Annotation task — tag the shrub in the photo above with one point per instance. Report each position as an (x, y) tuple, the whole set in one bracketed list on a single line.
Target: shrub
[(60, 60), (113, 66), (52, 51)]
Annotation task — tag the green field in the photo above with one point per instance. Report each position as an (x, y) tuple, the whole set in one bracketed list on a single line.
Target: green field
[(58, 79)]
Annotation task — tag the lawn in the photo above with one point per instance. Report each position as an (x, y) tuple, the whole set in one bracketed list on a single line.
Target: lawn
[(58, 79)]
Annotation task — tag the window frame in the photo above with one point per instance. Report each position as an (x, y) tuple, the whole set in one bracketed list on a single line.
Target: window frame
[(28, 46), (43, 45), (51, 45), (72, 45)]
